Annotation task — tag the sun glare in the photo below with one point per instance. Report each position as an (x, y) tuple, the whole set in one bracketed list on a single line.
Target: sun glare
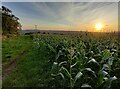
[(99, 26)]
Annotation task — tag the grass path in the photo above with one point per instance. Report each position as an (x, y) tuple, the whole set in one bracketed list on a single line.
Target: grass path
[(13, 49), (10, 66), (32, 70)]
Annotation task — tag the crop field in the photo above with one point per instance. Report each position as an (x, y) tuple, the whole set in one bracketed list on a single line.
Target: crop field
[(76, 61)]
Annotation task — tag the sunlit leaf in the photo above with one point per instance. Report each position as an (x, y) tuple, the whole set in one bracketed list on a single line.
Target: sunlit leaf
[(106, 54), (105, 67), (104, 73), (79, 74), (110, 61), (74, 64), (61, 63), (54, 67), (67, 72), (90, 70), (93, 61), (109, 81), (62, 75), (113, 78), (86, 86)]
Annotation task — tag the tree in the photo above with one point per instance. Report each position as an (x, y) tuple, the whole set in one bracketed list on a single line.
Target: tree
[(10, 23)]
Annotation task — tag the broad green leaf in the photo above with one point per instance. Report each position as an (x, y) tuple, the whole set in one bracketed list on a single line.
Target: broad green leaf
[(62, 75), (108, 83), (86, 86), (90, 70), (116, 56), (113, 50), (104, 73), (67, 72), (61, 63), (53, 75), (51, 48), (93, 61), (106, 54), (102, 78), (74, 64), (113, 78), (110, 61), (54, 67), (79, 74), (57, 56), (105, 67), (105, 78)]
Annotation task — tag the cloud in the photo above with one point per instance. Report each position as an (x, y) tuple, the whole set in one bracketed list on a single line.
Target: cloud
[(66, 13)]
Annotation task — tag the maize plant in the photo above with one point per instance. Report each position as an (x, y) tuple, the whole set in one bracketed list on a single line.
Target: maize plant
[(82, 61)]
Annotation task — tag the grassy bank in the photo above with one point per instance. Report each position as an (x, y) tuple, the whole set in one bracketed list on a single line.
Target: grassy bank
[(12, 47)]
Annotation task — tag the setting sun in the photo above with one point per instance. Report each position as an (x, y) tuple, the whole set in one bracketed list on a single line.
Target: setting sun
[(99, 26)]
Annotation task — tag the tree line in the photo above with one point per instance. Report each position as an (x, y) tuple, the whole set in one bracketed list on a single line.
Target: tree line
[(10, 23)]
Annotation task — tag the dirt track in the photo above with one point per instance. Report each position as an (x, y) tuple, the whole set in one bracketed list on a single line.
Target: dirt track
[(8, 68)]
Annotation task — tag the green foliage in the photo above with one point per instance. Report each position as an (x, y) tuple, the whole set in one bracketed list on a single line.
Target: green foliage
[(10, 23), (87, 63), (12, 47), (60, 61)]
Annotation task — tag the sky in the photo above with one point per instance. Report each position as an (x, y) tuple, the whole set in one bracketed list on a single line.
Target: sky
[(74, 16)]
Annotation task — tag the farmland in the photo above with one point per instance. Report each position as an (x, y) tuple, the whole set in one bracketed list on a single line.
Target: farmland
[(80, 61)]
